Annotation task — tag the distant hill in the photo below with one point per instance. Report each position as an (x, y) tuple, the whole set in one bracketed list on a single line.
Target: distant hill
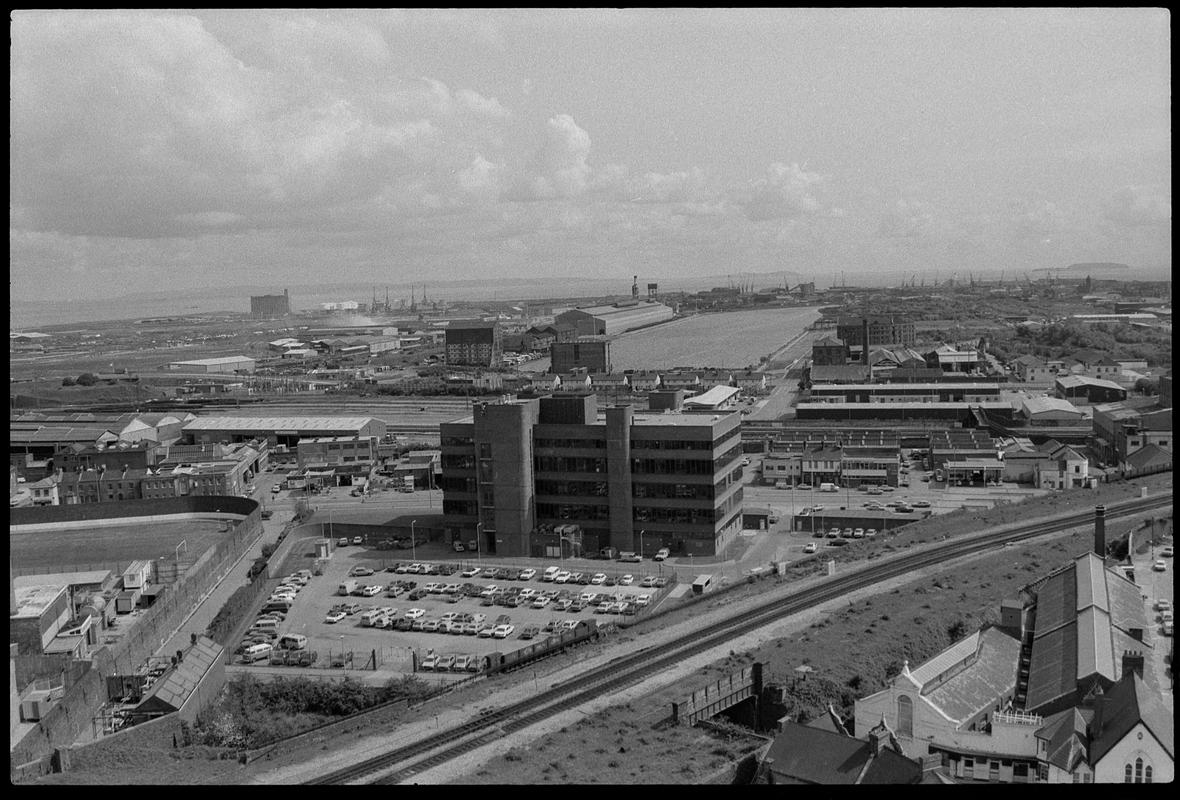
[(1096, 266)]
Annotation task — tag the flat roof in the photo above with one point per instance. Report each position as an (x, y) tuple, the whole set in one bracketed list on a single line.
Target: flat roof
[(713, 397), (31, 601), (936, 405), (904, 386), (214, 361), (98, 576), (277, 423)]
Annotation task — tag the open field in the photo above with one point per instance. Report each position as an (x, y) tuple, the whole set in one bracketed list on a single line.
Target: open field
[(44, 551), (732, 339)]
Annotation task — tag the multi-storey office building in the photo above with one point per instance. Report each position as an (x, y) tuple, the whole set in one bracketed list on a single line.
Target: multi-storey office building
[(628, 480)]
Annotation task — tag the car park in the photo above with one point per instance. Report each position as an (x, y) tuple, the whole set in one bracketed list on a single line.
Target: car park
[(334, 617)]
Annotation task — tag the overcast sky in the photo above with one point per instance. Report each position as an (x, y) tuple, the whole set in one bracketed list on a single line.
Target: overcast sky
[(154, 149)]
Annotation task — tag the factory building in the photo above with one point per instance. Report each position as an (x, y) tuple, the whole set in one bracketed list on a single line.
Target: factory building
[(270, 305), (905, 392), (608, 320), (282, 433), (474, 343), (626, 480), (592, 354), (226, 365), (879, 331)]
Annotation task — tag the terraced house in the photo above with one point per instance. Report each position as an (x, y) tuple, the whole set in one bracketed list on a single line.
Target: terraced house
[(626, 479)]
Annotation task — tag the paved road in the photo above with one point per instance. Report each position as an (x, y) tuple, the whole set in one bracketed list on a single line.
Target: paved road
[(1157, 586)]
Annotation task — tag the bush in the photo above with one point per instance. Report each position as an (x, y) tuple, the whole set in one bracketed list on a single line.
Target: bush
[(87, 379), (68, 381)]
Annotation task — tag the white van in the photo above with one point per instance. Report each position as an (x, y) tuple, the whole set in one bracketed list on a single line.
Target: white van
[(271, 625), (550, 573), (828, 487), (257, 652), (370, 618), (293, 641)]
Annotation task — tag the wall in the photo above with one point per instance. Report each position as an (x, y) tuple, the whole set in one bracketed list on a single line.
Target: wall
[(131, 509), (73, 716)]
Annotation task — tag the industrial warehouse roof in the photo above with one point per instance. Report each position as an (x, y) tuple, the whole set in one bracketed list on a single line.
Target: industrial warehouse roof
[(903, 387), (1074, 381), (214, 361), (714, 397), (48, 435), (1084, 620), (277, 423), (1042, 405), (608, 310), (917, 406), (175, 687)]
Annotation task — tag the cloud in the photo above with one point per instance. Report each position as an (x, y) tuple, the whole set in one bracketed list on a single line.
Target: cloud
[(1135, 206), (787, 192), (905, 219)]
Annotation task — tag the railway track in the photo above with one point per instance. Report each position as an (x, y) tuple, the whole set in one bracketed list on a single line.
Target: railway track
[(635, 667)]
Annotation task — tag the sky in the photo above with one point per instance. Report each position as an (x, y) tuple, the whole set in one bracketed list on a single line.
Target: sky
[(170, 150)]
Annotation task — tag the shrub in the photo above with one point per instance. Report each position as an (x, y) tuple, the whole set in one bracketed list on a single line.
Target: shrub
[(68, 381), (87, 379)]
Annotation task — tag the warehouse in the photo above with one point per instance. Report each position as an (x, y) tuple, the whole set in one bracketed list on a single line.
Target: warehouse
[(1087, 390), (620, 317), (228, 364), (284, 431), (1050, 411)]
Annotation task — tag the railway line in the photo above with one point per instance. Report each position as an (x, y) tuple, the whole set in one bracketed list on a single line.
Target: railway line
[(638, 666)]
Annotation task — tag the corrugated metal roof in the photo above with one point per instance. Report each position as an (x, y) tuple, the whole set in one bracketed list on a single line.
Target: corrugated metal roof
[(277, 423), (1055, 601), (713, 397), (1041, 405), (1091, 581), (1095, 650)]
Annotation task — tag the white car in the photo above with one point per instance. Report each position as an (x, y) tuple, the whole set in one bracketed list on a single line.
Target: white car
[(371, 591), (662, 553), (1166, 552), (643, 599), (811, 547), (1163, 605), (562, 577), (334, 617), (598, 579), (503, 631), (276, 489), (1160, 565), (415, 613), (541, 602), (626, 580), (527, 574), (470, 573), (859, 533), (358, 540)]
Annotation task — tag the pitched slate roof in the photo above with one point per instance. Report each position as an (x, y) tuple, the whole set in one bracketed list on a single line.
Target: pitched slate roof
[(1128, 703), (1148, 456), (174, 688), (1065, 733), (966, 678), (802, 754)]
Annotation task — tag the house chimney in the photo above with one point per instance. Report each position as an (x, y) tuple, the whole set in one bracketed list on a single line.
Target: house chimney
[(1100, 531), (1133, 662)]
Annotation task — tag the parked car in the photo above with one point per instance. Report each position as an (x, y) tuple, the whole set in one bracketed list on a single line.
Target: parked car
[(870, 533), (598, 579), (626, 580), (810, 547), (415, 613), (662, 553), (334, 617), (342, 541), (527, 574), (470, 572), (360, 572), (920, 504), (1160, 565), (1166, 552), (859, 533), (503, 631), (529, 632), (429, 662)]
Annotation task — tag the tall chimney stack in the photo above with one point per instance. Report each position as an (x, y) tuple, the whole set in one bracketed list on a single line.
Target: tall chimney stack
[(864, 340), (1100, 531)]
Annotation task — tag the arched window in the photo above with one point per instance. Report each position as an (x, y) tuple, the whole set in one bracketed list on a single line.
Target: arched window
[(1139, 770), (1147, 774), (905, 716), (1127, 774)]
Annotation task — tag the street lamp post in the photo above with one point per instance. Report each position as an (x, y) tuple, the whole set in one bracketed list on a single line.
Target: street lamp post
[(479, 542), (413, 541), (641, 543)]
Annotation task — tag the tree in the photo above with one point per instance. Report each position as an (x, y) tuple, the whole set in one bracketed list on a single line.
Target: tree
[(87, 379), (68, 381), (1147, 386)]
